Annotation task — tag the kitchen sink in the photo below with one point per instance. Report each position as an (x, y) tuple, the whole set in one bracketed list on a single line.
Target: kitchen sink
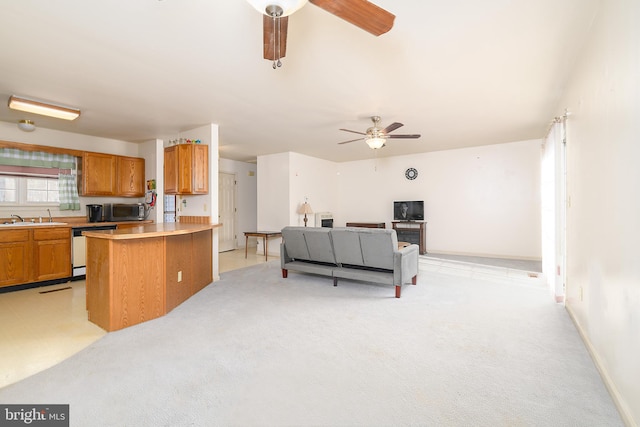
[(31, 224)]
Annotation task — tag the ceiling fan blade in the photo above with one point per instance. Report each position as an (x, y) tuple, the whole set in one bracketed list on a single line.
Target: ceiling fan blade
[(274, 51), (351, 140), (353, 131), (413, 136), (360, 13), (392, 127)]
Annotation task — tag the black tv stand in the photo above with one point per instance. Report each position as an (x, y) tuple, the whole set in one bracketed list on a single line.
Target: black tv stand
[(412, 232)]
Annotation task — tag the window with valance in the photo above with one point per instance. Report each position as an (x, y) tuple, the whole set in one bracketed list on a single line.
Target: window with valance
[(63, 167)]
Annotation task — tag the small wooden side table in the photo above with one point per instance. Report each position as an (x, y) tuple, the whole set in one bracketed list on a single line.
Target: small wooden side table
[(265, 238)]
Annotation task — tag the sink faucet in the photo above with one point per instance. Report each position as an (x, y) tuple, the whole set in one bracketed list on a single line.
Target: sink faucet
[(18, 216), (50, 219)]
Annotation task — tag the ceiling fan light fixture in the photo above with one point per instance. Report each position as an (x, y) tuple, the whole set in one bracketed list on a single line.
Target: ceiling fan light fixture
[(288, 6), (375, 142), (43, 108)]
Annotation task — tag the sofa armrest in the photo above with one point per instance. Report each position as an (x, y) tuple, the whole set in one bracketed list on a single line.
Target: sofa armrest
[(405, 264), (284, 256)]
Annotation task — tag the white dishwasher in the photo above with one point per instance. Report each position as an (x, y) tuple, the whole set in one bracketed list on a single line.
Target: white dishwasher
[(79, 250)]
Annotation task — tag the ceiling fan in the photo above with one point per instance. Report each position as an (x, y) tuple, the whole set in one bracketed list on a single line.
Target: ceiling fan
[(376, 137), (360, 13)]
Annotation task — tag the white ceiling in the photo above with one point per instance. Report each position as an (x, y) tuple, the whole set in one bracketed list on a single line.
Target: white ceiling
[(459, 72)]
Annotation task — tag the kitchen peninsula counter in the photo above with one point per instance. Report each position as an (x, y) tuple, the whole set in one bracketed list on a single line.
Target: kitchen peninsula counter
[(150, 230), (142, 273)]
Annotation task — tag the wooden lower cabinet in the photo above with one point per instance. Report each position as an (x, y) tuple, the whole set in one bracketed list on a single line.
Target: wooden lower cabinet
[(34, 255), (52, 253), (15, 250), (131, 281)]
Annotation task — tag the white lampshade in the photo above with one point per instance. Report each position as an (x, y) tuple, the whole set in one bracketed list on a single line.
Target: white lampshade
[(375, 143), (288, 6), (306, 208)]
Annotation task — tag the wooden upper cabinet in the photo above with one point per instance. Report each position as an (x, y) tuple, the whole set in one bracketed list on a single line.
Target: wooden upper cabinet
[(110, 175), (186, 169), (98, 174), (130, 173), (171, 170), (200, 169)]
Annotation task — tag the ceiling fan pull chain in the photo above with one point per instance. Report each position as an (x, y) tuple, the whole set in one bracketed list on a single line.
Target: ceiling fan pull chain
[(275, 36), (278, 55)]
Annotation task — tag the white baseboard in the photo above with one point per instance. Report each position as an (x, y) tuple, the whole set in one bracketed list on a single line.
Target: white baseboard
[(482, 255), (618, 400)]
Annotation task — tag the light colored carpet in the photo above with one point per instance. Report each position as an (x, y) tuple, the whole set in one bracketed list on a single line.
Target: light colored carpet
[(256, 349)]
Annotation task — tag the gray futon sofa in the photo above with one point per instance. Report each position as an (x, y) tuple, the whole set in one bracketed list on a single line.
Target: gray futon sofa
[(367, 254)]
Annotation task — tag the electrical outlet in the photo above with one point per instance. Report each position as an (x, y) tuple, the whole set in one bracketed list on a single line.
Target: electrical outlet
[(581, 294), (205, 207), (179, 276)]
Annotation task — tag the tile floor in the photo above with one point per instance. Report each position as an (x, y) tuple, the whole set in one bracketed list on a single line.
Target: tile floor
[(39, 328)]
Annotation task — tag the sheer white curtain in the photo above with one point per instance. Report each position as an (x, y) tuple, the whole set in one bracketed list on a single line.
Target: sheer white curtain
[(553, 208)]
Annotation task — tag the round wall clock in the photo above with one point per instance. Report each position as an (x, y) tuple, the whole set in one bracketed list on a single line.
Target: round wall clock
[(411, 173)]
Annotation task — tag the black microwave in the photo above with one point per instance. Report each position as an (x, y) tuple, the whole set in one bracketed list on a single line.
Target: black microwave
[(114, 212)]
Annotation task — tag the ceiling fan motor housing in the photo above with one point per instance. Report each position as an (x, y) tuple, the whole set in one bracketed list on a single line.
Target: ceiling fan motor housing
[(286, 7)]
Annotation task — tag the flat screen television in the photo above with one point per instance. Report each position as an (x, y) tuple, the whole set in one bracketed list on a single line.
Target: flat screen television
[(408, 210)]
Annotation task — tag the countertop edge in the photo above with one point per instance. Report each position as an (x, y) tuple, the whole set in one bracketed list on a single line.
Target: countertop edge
[(149, 231)]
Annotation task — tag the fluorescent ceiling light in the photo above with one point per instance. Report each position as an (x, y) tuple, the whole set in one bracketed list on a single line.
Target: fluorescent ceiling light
[(43, 108)]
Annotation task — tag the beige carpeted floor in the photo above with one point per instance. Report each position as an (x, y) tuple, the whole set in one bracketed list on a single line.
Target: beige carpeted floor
[(463, 347)]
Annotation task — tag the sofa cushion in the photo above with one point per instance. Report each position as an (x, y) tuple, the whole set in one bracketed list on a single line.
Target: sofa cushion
[(378, 247), (319, 244), (309, 243), (346, 245), (371, 247), (294, 242)]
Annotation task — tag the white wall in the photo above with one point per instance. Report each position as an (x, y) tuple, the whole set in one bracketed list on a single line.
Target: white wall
[(314, 180), (603, 235), (246, 195), (153, 154), (273, 195), (480, 201), (285, 181)]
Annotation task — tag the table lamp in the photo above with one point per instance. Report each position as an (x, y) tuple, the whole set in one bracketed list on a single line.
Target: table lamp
[(305, 209)]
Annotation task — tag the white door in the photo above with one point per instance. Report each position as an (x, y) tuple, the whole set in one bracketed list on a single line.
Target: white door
[(227, 211)]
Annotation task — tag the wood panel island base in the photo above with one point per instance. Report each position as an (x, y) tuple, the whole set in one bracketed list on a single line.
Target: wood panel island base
[(142, 273)]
